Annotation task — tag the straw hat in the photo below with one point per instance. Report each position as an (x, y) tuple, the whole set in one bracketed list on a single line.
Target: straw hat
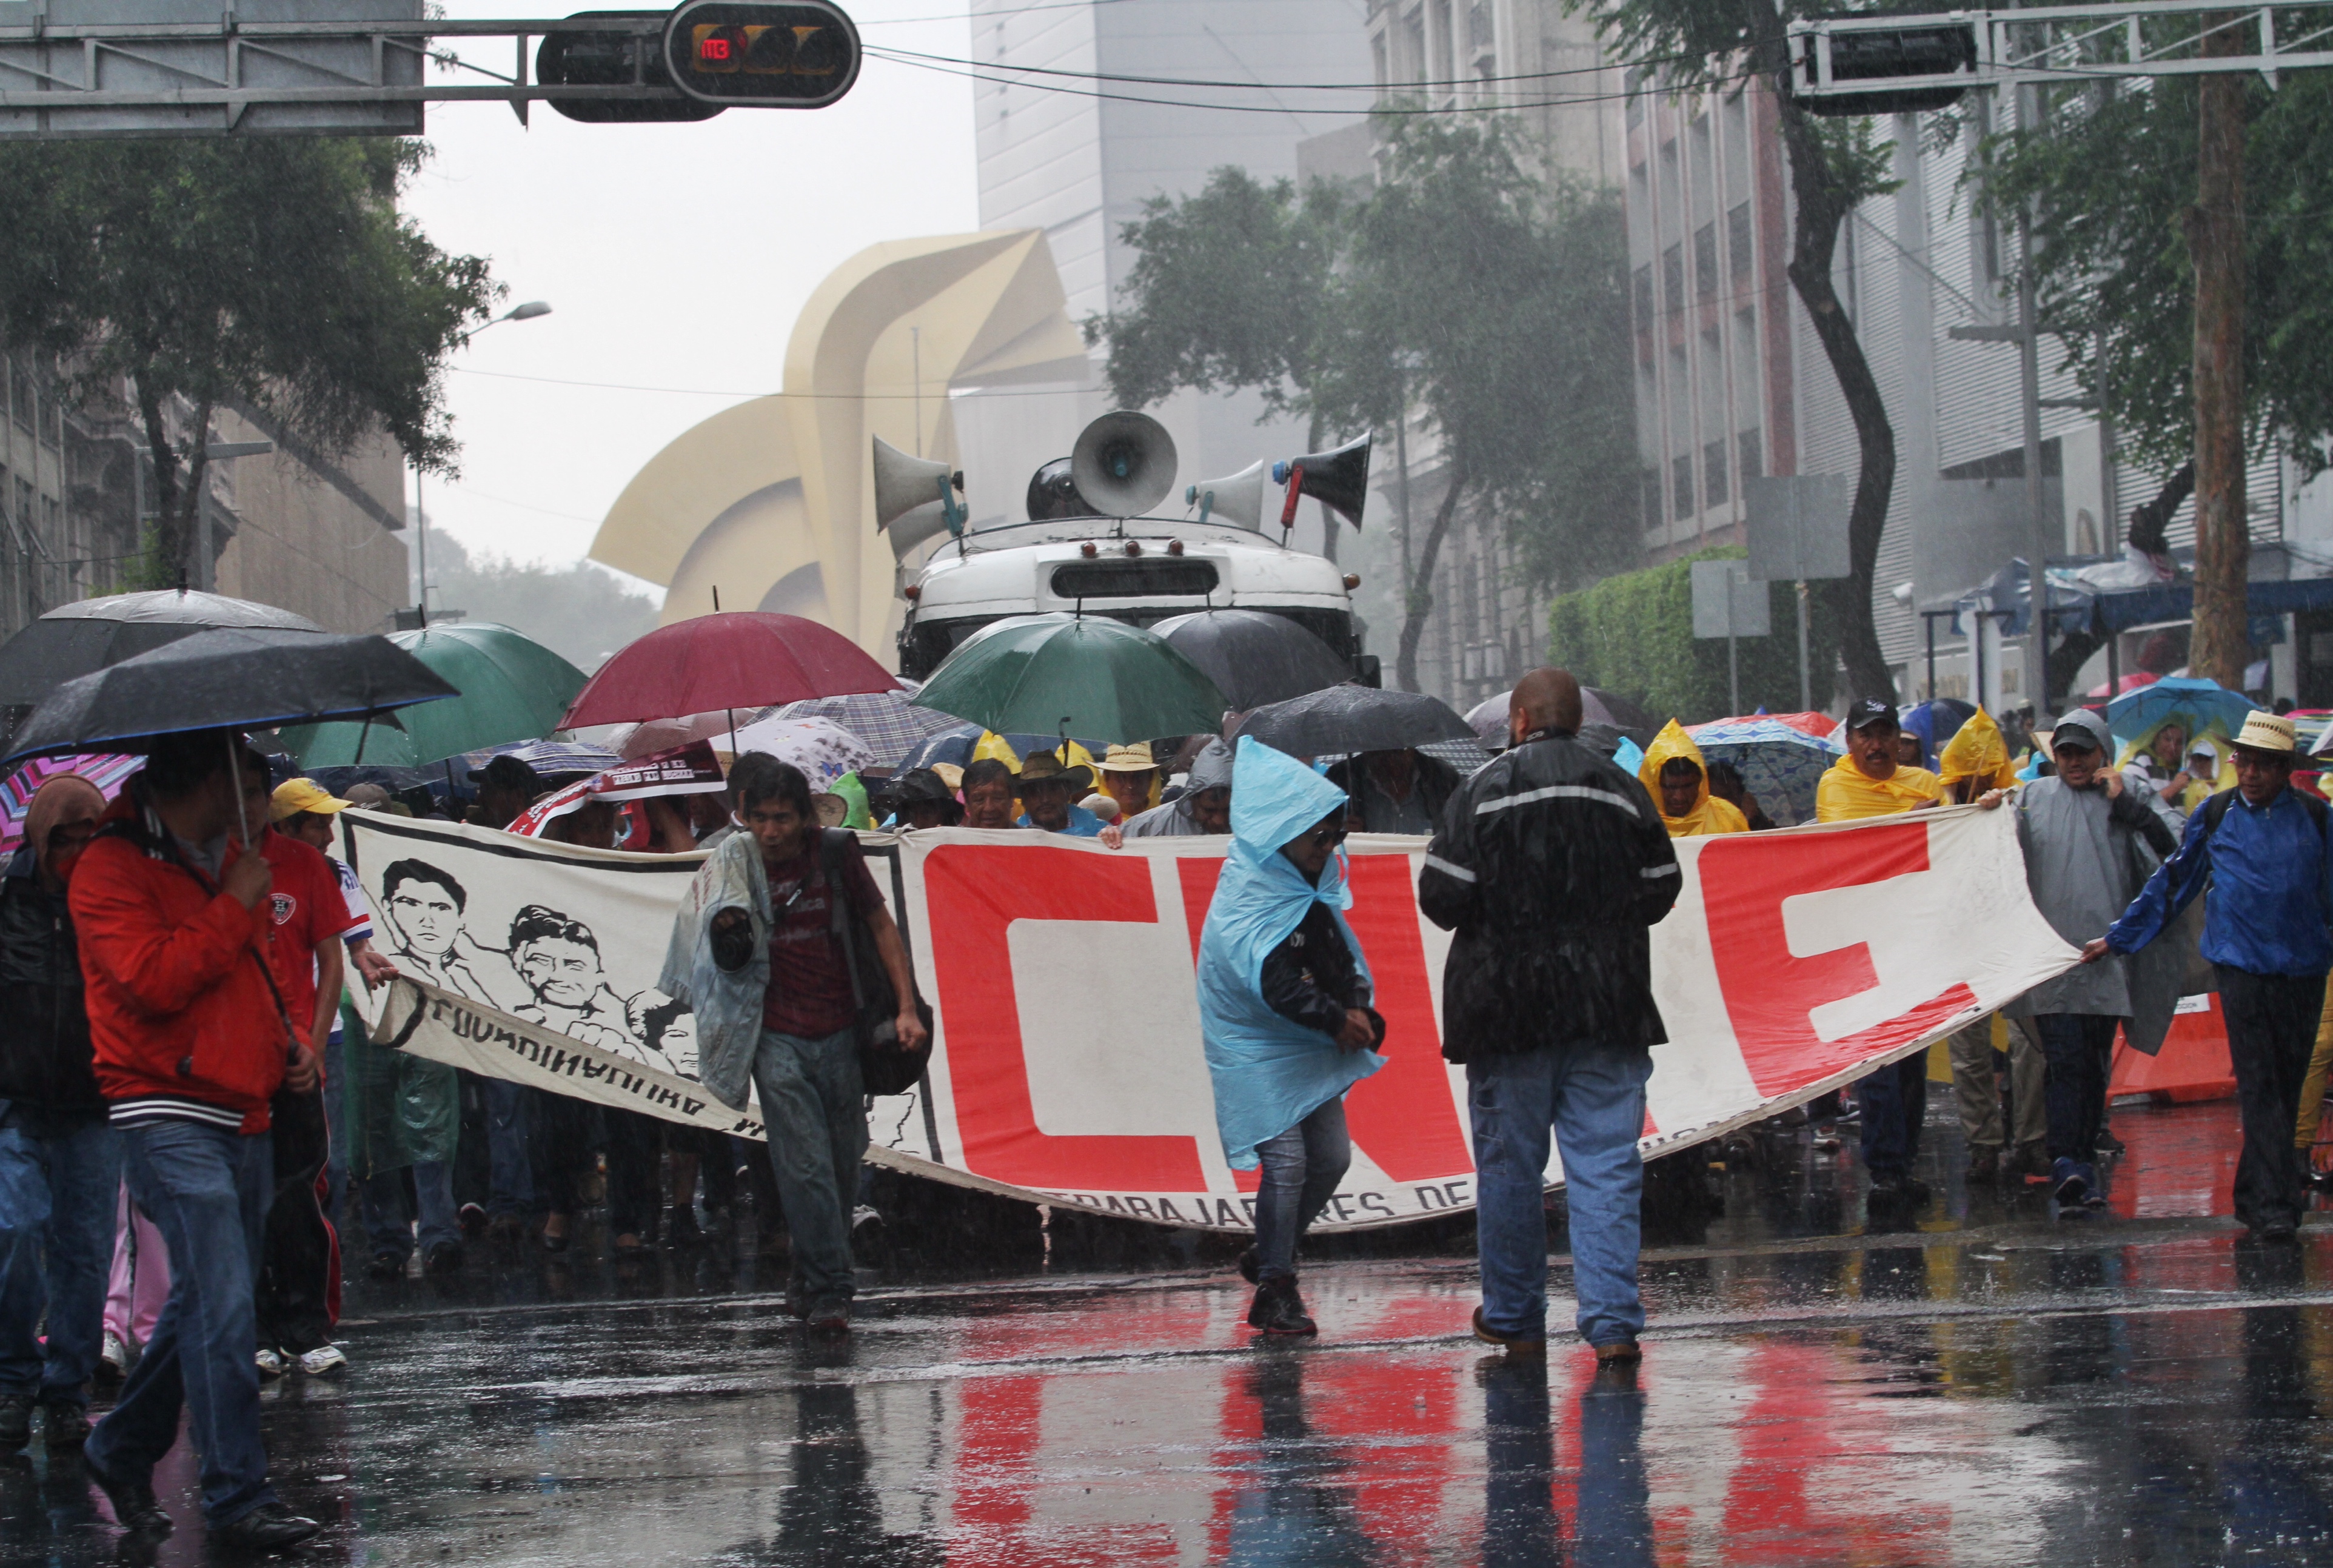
[(1135, 758), (2267, 732)]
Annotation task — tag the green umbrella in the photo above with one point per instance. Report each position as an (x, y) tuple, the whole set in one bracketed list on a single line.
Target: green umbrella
[(512, 688), (1086, 676)]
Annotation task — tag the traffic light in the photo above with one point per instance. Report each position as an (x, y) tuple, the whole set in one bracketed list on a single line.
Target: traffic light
[(612, 60), (800, 54), (1877, 54)]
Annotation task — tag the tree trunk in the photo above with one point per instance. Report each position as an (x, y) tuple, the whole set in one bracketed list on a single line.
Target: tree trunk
[(1821, 209), (1420, 602), (2215, 244), (171, 552)]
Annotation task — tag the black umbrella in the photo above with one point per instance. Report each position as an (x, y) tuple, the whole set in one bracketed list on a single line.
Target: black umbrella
[(93, 633), (251, 679), (1350, 719), (1254, 657)]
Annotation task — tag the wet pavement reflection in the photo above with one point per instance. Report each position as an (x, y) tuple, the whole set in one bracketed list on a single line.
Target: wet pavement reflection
[(1978, 1382)]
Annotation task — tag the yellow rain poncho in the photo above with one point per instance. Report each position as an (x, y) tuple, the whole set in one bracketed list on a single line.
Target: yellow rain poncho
[(1709, 814), (1848, 795), (1977, 751), (2139, 754)]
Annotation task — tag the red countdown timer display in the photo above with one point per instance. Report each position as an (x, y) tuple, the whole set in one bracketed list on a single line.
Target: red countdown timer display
[(803, 55)]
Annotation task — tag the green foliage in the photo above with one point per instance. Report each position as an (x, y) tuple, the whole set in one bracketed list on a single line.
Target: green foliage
[(1461, 285), (272, 271), (1633, 635), (2111, 181)]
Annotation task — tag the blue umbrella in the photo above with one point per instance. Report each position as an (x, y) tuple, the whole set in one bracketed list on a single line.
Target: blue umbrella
[(1782, 758), (1935, 722), (953, 746), (2197, 705)]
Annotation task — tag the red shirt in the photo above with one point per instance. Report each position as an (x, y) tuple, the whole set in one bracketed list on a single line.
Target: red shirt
[(810, 985), (303, 911)]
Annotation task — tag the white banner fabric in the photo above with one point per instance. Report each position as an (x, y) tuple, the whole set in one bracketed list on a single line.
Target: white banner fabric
[(1069, 1068)]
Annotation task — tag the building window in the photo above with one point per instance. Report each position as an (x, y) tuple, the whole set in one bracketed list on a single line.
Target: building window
[(1681, 480), (1478, 27), (1738, 243), (1749, 444), (1713, 470), (1378, 61), (1705, 261), (1648, 493), (1414, 34), (1645, 298), (20, 393), (1673, 278)]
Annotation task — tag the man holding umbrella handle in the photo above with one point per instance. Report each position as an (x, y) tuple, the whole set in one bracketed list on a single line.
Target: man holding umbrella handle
[(189, 1037)]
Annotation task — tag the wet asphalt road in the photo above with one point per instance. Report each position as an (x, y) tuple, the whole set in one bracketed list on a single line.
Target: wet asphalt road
[(1979, 1383)]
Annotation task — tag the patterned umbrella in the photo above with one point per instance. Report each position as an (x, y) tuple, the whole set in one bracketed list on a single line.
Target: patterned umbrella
[(1782, 756), (885, 720), (548, 758), (822, 749), (106, 770)]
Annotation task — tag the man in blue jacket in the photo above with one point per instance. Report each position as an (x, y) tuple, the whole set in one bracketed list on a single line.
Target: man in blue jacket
[(2261, 847)]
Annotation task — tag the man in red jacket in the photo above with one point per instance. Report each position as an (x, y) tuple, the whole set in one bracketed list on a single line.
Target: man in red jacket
[(192, 1040)]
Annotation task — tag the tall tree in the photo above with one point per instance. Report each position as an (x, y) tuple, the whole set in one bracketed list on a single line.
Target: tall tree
[(275, 272), (2114, 187), (1835, 165), (1460, 287)]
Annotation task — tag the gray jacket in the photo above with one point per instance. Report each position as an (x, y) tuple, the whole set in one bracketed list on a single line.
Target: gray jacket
[(727, 1002), (2084, 863), (1211, 769)]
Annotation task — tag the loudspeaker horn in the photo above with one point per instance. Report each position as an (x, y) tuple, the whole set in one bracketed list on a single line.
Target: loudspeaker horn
[(1124, 462), (1338, 479), (1236, 498), (914, 498)]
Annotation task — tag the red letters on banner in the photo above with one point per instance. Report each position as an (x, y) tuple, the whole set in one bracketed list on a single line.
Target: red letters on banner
[(973, 894), (1771, 993)]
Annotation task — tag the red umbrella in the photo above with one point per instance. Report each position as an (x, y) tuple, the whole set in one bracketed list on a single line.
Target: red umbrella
[(738, 659)]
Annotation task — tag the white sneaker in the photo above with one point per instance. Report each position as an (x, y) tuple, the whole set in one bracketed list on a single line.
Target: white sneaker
[(115, 1354), (271, 1364), (863, 1217), (324, 1361)]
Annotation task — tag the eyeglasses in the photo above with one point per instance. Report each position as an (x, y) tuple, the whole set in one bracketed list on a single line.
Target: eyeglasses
[(1325, 838)]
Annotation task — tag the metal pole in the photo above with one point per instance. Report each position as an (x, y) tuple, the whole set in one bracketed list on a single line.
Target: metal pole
[(1733, 664), (1929, 622), (1806, 675), (2028, 367), (422, 549)]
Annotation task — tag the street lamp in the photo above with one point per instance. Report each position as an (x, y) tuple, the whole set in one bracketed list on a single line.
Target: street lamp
[(525, 313)]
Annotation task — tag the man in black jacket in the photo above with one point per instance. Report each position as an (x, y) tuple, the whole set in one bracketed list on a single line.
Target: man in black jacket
[(1550, 866), (60, 1164)]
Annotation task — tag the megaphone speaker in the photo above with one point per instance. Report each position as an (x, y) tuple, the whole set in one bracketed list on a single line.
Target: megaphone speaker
[(1338, 479), (1053, 495), (1236, 499), (903, 482), (1124, 462)]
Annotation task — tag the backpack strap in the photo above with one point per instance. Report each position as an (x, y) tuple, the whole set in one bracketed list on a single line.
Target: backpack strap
[(841, 921), (2215, 811)]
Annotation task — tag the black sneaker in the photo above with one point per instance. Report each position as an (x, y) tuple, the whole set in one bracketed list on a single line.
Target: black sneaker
[(471, 1217), (1278, 1309), (1248, 1265), (15, 1421), (134, 1507), (269, 1527), (443, 1258), (386, 1265), (65, 1424)]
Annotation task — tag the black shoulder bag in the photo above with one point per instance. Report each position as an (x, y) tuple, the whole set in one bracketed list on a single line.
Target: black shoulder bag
[(883, 1067)]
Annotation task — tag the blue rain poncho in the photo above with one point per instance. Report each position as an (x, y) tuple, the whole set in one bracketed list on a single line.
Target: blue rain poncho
[(1269, 1072)]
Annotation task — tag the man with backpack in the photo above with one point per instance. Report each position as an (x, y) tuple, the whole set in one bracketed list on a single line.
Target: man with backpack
[(2261, 846), (763, 950)]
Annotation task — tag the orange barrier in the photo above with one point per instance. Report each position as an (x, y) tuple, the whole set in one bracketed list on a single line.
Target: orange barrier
[(2191, 1065)]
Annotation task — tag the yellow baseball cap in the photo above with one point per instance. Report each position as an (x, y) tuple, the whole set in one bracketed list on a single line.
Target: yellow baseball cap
[(294, 796)]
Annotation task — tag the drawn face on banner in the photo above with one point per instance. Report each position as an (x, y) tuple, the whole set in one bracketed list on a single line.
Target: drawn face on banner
[(557, 958), (423, 908)]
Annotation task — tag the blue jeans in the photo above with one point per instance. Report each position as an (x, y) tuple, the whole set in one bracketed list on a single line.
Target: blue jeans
[(336, 1120), (1894, 1101), (510, 1178), (387, 1214), (207, 1190), (1301, 1167), (814, 1110), (57, 1184), (1594, 1101)]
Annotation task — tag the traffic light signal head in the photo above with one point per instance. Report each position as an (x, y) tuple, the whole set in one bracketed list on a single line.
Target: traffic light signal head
[(797, 55), (610, 58)]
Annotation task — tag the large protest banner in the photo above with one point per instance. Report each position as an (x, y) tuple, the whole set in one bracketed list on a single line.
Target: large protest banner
[(1069, 1067)]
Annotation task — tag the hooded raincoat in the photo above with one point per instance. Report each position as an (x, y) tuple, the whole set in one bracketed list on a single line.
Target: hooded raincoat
[(1709, 814), (1977, 751), (1211, 769), (727, 1003), (1848, 794), (1269, 1072)]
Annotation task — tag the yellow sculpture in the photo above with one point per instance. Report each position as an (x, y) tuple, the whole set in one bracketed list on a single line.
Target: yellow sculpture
[(771, 501)]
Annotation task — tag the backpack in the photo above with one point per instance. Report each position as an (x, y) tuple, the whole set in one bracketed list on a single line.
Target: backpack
[(2215, 811), (883, 1067)]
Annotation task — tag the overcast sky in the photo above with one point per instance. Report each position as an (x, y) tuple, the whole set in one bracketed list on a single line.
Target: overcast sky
[(673, 257)]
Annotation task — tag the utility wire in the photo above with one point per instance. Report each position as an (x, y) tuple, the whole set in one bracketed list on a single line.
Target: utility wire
[(1123, 79), (932, 391)]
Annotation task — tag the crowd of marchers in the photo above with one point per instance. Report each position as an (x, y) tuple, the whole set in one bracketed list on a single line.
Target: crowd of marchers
[(174, 1197)]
